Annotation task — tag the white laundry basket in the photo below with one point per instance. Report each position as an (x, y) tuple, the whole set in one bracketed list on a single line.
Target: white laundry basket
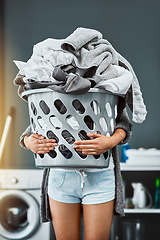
[(67, 118)]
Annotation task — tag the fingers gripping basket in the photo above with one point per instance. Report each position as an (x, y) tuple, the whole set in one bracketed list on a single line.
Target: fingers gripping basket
[(66, 118)]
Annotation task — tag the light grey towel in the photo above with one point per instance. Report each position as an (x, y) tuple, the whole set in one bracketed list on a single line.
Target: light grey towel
[(90, 50)]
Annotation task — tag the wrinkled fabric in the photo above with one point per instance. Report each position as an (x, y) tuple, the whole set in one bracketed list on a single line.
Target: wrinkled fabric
[(118, 81), (84, 49), (102, 53)]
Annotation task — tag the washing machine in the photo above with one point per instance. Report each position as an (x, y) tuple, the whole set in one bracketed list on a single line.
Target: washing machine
[(19, 205)]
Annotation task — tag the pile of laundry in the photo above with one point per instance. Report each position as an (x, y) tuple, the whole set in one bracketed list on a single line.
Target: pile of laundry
[(81, 61), (143, 157)]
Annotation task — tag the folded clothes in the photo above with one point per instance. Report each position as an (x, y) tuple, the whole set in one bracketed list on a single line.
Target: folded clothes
[(81, 61), (143, 156), (143, 152), (138, 161)]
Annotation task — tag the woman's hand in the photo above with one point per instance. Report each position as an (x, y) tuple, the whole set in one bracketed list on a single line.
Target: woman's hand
[(38, 144), (99, 144)]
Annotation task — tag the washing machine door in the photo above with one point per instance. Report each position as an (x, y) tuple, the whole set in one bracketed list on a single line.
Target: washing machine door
[(19, 214)]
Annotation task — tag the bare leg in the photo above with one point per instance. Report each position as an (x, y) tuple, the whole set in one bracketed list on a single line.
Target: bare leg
[(98, 220), (66, 219)]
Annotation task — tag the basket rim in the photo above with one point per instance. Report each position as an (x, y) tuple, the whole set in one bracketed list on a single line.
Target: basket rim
[(42, 90)]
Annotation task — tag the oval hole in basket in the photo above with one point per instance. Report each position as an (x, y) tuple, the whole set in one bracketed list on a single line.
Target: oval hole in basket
[(41, 122), (56, 123), (51, 135), (95, 106), (65, 151), (98, 132), (112, 124), (33, 123), (78, 106), (115, 108), (108, 109), (60, 106), (89, 122), (96, 156), (83, 156), (41, 155), (52, 153), (44, 107), (72, 122), (68, 137), (108, 134), (105, 155), (103, 123), (83, 135), (34, 110)]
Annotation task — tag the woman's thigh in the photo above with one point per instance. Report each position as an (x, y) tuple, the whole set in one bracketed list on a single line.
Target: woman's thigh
[(66, 219), (98, 220)]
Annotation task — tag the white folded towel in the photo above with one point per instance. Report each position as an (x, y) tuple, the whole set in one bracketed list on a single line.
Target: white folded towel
[(142, 152), (143, 156)]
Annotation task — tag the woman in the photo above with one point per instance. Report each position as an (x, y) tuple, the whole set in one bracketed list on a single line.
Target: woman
[(85, 58), (99, 192)]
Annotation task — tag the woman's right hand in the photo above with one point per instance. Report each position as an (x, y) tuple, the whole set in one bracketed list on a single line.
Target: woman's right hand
[(39, 144)]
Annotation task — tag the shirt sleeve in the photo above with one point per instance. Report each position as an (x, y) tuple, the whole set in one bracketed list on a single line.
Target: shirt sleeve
[(123, 121), (28, 131)]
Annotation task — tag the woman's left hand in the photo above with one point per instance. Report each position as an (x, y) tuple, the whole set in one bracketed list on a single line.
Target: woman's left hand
[(96, 146)]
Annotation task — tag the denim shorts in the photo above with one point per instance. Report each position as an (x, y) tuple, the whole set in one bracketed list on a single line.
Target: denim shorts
[(81, 187)]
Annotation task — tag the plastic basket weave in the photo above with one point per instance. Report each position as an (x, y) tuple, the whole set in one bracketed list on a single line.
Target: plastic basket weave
[(67, 118)]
